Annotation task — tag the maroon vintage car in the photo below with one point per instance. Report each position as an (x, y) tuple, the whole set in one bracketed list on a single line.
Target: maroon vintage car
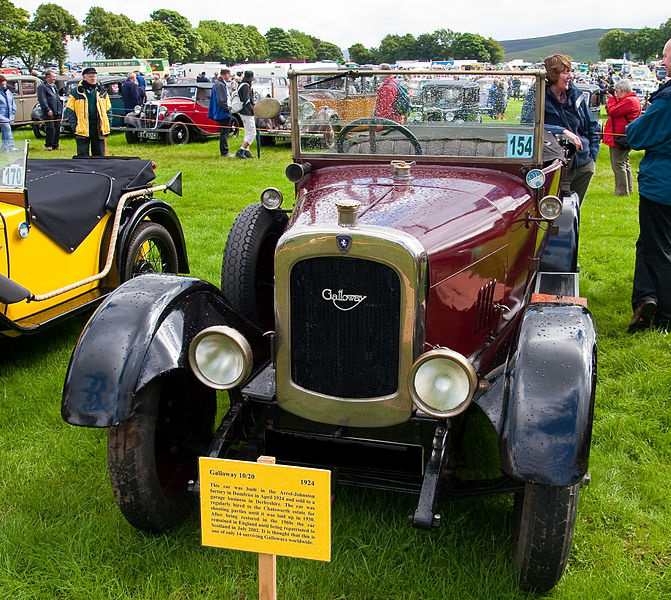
[(417, 305), (179, 115)]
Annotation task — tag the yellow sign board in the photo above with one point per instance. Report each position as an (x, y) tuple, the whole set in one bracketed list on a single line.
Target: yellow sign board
[(269, 509)]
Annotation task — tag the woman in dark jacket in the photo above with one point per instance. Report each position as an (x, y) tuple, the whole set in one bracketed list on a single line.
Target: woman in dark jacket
[(622, 107), (567, 113), (246, 114)]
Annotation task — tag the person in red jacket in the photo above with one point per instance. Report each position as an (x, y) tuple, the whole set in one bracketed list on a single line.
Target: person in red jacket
[(386, 98), (622, 108)]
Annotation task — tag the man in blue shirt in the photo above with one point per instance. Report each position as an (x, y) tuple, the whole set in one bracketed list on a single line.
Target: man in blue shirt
[(651, 297), (220, 110)]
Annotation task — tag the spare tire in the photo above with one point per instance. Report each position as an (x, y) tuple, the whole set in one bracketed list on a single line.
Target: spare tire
[(248, 267)]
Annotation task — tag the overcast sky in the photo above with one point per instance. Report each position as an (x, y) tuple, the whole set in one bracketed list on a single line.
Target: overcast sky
[(347, 22)]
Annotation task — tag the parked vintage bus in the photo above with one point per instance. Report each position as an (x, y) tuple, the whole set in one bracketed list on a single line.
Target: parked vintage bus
[(119, 66), (159, 66)]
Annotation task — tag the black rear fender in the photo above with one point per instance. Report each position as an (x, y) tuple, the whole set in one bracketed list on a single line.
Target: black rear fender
[(549, 399), (140, 332)]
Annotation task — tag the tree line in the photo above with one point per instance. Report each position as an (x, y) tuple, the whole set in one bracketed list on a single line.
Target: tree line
[(168, 34), (642, 44), (442, 44)]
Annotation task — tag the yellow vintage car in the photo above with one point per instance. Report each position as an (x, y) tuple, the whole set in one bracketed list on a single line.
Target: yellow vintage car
[(72, 230)]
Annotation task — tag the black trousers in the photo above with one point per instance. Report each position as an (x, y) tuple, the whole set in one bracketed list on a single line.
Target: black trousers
[(224, 132), (652, 274), (52, 128), (96, 144)]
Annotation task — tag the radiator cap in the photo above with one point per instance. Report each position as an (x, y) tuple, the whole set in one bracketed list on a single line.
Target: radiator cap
[(347, 212), (401, 169)]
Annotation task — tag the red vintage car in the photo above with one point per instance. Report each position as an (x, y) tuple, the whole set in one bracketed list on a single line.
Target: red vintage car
[(416, 306), (179, 115)]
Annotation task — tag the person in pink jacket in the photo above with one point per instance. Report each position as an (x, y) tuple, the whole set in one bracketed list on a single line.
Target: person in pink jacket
[(623, 107)]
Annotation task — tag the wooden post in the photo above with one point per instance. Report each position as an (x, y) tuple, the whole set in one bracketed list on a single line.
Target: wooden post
[(267, 562)]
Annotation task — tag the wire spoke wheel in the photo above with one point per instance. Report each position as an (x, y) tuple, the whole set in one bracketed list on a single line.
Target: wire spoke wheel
[(150, 250)]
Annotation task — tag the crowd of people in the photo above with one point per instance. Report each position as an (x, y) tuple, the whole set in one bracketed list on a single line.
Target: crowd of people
[(566, 113)]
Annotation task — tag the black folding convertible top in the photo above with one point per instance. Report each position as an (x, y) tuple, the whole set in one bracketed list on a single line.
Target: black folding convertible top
[(68, 197)]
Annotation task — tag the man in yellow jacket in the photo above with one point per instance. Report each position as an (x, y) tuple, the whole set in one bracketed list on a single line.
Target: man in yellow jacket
[(88, 113)]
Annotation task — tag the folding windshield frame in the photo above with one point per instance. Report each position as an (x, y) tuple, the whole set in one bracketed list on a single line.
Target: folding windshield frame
[(13, 176), (299, 155)]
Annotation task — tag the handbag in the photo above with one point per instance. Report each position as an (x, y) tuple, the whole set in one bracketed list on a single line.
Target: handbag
[(620, 139)]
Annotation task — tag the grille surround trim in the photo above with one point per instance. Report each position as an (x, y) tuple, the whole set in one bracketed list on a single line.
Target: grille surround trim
[(396, 249)]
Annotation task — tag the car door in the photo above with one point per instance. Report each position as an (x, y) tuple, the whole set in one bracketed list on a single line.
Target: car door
[(27, 99)]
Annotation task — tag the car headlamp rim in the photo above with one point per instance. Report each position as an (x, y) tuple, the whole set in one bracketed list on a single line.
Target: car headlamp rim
[(455, 359), (272, 198), (241, 355), (307, 109), (550, 207)]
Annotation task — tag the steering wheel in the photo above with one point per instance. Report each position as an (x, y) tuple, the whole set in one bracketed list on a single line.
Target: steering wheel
[(372, 123)]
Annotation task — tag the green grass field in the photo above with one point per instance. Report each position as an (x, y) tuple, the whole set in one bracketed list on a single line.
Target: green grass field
[(62, 536)]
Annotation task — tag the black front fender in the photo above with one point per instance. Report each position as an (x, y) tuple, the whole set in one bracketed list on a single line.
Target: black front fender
[(141, 331), (549, 403)]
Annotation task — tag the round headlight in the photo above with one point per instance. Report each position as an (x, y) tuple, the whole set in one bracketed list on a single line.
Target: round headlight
[(163, 110), (306, 110), (550, 207), (137, 109), (220, 357), (271, 198), (442, 382)]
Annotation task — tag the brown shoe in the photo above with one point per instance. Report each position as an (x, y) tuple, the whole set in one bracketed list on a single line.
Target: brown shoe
[(643, 316)]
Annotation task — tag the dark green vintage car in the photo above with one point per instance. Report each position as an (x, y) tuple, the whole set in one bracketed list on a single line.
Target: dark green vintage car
[(446, 100)]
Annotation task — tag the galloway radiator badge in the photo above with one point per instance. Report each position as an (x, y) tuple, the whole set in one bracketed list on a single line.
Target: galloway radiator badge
[(344, 242), (343, 301)]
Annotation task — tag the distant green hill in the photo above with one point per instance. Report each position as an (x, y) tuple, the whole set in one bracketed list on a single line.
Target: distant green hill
[(582, 46)]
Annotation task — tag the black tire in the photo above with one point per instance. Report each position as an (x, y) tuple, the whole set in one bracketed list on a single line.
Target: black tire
[(543, 522), (132, 137), (150, 250), (178, 134), (248, 268), (236, 125), (153, 455), (38, 130)]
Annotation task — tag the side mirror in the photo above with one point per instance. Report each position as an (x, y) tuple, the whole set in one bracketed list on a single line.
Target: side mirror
[(175, 184)]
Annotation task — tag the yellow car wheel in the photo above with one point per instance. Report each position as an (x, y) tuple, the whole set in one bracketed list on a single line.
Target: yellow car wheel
[(150, 250)]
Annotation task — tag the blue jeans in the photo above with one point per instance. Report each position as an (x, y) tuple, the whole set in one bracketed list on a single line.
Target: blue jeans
[(7, 137)]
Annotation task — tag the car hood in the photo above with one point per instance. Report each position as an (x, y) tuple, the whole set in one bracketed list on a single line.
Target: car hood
[(453, 209), (173, 103)]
